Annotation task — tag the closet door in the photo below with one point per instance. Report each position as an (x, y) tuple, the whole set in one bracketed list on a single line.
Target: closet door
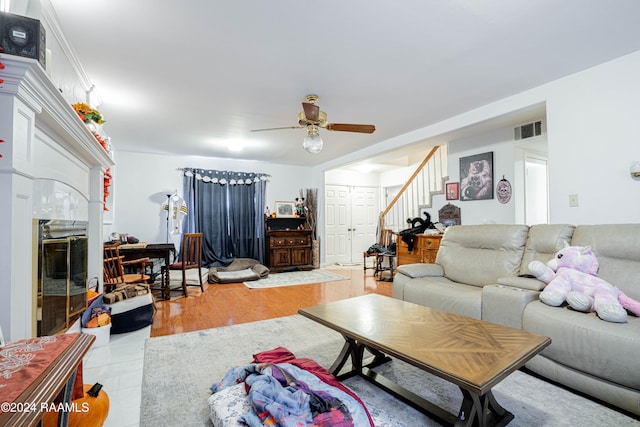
[(351, 217)]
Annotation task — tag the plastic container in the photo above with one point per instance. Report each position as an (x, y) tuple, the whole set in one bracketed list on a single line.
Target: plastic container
[(102, 334)]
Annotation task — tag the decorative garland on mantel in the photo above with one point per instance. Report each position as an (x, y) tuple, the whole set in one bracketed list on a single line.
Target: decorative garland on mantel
[(90, 115)]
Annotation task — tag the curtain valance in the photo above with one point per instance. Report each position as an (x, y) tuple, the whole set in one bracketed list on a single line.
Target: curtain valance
[(225, 177)]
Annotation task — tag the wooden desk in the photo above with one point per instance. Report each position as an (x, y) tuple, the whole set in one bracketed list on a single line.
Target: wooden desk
[(164, 251), (56, 379)]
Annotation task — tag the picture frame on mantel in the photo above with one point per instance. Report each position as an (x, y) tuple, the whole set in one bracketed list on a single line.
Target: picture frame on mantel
[(285, 209)]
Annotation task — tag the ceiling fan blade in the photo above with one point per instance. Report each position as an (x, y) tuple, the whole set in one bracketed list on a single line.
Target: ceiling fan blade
[(311, 111), (286, 127), (345, 127)]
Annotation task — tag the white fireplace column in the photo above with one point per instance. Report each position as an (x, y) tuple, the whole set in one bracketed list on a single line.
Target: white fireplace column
[(44, 140)]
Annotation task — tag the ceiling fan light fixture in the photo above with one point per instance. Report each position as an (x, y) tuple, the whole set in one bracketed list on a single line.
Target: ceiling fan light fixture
[(312, 141)]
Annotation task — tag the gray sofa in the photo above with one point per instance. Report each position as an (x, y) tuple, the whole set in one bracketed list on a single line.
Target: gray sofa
[(480, 272)]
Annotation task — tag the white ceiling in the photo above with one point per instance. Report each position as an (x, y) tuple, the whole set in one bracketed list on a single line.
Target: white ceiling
[(186, 77)]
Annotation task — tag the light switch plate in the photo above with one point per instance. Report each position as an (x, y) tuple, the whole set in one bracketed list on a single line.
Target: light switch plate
[(573, 200)]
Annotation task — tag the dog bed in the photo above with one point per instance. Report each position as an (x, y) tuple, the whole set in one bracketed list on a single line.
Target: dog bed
[(240, 270)]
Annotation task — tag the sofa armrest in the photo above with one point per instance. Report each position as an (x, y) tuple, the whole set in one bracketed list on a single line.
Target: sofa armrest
[(527, 283), (421, 270)]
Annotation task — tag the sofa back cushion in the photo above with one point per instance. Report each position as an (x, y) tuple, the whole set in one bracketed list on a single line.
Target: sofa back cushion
[(543, 241), (480, 254), (617, 247)]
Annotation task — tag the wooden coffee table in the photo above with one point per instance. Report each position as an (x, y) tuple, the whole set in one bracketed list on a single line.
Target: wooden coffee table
[(473, 354)]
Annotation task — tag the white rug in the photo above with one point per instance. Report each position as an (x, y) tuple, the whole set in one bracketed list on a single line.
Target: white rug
[(295, 278), (179, 369)]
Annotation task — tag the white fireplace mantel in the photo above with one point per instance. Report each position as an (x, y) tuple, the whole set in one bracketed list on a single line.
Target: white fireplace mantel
[(44, 140)]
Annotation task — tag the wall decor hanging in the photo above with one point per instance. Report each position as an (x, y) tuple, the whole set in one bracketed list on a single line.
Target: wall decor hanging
[(476, 177), (451, 190), (503, 190)]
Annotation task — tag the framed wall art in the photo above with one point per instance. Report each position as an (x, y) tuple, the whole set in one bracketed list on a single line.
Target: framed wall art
[(451, 190), (476, 177), (285, 209)]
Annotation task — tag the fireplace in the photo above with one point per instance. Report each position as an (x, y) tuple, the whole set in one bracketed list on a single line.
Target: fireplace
[(62, 274)]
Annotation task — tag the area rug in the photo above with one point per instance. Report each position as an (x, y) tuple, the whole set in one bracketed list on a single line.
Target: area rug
[(179, 369), (295, 278)]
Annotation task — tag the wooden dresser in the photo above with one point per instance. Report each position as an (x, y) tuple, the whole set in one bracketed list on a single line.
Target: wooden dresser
[(288, 245), (425, 249)]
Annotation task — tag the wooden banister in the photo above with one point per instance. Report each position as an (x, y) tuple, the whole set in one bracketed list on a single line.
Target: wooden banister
[(408, 183)]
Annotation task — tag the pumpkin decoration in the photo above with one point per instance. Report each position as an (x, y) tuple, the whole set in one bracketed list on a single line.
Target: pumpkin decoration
[(91, 410)]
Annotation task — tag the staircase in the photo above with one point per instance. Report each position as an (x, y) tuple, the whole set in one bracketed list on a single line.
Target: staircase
[(417, 193)]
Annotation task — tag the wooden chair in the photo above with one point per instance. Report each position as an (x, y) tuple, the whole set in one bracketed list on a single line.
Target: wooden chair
[(114, 269), (386, 238), (190, 258)]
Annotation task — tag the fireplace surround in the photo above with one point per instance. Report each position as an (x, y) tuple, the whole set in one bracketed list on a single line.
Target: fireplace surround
[(52, 168)]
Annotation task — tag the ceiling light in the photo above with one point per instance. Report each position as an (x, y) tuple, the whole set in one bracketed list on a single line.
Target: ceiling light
[(312, 141)]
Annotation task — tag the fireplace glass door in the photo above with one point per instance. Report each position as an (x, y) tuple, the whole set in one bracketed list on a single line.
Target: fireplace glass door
[(62, 288)]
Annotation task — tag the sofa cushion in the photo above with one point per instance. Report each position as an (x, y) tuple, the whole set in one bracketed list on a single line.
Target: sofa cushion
[(443, 294), (617, 247), (586, 343), (480, 254), (543, 241), (420, 270)]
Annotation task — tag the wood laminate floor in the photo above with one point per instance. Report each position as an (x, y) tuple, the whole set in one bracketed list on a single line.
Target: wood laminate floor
[(230, 304)]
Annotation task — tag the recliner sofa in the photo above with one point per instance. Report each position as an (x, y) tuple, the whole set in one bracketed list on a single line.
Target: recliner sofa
[(481, 271)]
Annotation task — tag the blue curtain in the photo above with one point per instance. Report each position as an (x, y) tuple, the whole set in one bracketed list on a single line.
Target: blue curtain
[(228, 209)]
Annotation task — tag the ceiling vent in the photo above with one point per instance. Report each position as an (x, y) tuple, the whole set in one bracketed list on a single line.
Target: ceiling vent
[(527, 131)]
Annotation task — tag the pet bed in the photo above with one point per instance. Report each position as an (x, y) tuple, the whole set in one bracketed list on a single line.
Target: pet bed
[(131, 314), (240, 270)]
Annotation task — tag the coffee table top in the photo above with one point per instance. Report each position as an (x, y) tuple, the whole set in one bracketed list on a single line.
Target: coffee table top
[(474, 354)]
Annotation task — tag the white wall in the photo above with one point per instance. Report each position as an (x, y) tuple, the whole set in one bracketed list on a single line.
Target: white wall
[(500, 142), (592, 138), (141, 182)]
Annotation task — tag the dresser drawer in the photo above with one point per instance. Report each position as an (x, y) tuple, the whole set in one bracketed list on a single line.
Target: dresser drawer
[(289, 241)]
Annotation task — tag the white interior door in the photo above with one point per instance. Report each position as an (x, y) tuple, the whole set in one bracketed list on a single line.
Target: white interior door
[(351, 215), (338, 223), (364, 220), (536, 191)]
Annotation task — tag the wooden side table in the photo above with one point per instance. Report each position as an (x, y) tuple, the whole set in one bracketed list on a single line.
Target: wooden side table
[(424, 250), (55, 380)]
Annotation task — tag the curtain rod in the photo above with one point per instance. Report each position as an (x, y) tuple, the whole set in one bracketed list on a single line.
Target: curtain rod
[(261, 173)]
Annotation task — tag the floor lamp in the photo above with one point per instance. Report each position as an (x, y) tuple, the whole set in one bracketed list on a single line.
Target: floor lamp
[(168, 213)]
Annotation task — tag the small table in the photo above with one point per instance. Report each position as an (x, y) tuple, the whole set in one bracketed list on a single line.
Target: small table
[(473, 354), (55, 379), (164, 251)]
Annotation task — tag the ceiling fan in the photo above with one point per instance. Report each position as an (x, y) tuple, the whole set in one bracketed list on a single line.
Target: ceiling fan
[(312, 118)]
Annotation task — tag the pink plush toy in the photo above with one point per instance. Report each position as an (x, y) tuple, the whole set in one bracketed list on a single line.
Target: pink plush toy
[(571, 276)]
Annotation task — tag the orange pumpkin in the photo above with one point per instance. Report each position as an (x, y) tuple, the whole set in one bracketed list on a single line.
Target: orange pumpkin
[(91, 410)]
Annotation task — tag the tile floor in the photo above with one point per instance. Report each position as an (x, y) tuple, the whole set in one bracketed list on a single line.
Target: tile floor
[(118, 367)]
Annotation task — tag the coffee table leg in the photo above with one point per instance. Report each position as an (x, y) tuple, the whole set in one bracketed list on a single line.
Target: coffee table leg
[(355, 350), (484, 408), (342, 358)]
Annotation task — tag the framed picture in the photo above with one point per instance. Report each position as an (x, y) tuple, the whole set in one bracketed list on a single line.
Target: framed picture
[(476, 177), (451, 190), (285, 209)]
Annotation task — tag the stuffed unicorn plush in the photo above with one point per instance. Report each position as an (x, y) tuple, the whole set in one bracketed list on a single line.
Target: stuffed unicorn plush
[(571, 276)]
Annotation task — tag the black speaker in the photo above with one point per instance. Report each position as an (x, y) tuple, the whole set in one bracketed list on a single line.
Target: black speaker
[(23, 36)]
